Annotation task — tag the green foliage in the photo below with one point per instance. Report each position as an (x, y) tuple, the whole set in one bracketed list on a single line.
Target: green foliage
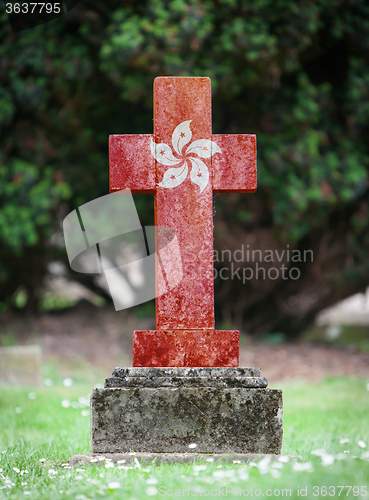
[(8, 339), (28, 195), (262, 57)]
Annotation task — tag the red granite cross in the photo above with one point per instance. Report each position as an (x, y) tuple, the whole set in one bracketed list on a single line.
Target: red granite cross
[(183, 164)]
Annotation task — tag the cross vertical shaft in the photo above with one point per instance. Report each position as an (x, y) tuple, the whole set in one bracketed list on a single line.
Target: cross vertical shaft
[(199, 163), (184, 209)]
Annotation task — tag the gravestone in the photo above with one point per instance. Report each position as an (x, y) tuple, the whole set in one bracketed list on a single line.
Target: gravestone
[(185, 387), (20, 365)]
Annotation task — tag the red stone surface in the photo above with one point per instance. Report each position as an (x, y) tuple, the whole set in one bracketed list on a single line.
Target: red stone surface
[(185, 334), (132, 166), (185, 348), (235, 169), (184, 208)]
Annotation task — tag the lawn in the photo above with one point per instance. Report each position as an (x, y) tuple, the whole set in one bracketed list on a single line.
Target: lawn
[(326, 424)]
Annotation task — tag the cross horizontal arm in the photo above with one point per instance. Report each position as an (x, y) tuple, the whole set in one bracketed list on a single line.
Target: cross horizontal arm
[(132, 166), (234, 171)]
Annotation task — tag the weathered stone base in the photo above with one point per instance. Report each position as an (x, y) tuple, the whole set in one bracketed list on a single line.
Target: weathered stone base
[(137, 459), (219, 418)]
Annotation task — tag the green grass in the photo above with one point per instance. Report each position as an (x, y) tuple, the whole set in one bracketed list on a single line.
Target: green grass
[(315, 417)]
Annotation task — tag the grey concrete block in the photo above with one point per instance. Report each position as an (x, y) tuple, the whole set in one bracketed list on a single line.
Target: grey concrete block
[(255, 382), (148, 372), (168, 420)]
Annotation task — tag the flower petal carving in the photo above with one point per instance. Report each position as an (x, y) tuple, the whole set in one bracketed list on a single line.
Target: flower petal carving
[(163, 154), (174, 176), (181, 136), (199, 173), (203, 148)]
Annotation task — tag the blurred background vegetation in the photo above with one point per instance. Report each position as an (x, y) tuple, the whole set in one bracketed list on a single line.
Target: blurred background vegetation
[(294, 73)]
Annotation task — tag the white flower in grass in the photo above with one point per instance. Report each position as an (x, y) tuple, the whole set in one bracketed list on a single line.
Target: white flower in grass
[(152, 480), (16, 470), (42, 460), (52, 472), (307, 466), (361, 444), (151, 491), (319, 452), (276, 465), (199, 467), (84, 401), (218, 474), (327, 460), (275, 473), (113, 485), (263, 465), (203, 148), (344, 440), (67, 382)]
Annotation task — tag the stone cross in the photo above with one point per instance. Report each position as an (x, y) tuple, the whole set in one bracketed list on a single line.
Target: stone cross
[(183, 163)]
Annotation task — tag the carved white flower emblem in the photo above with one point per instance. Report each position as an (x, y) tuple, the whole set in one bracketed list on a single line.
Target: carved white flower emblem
[(199, 172)]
